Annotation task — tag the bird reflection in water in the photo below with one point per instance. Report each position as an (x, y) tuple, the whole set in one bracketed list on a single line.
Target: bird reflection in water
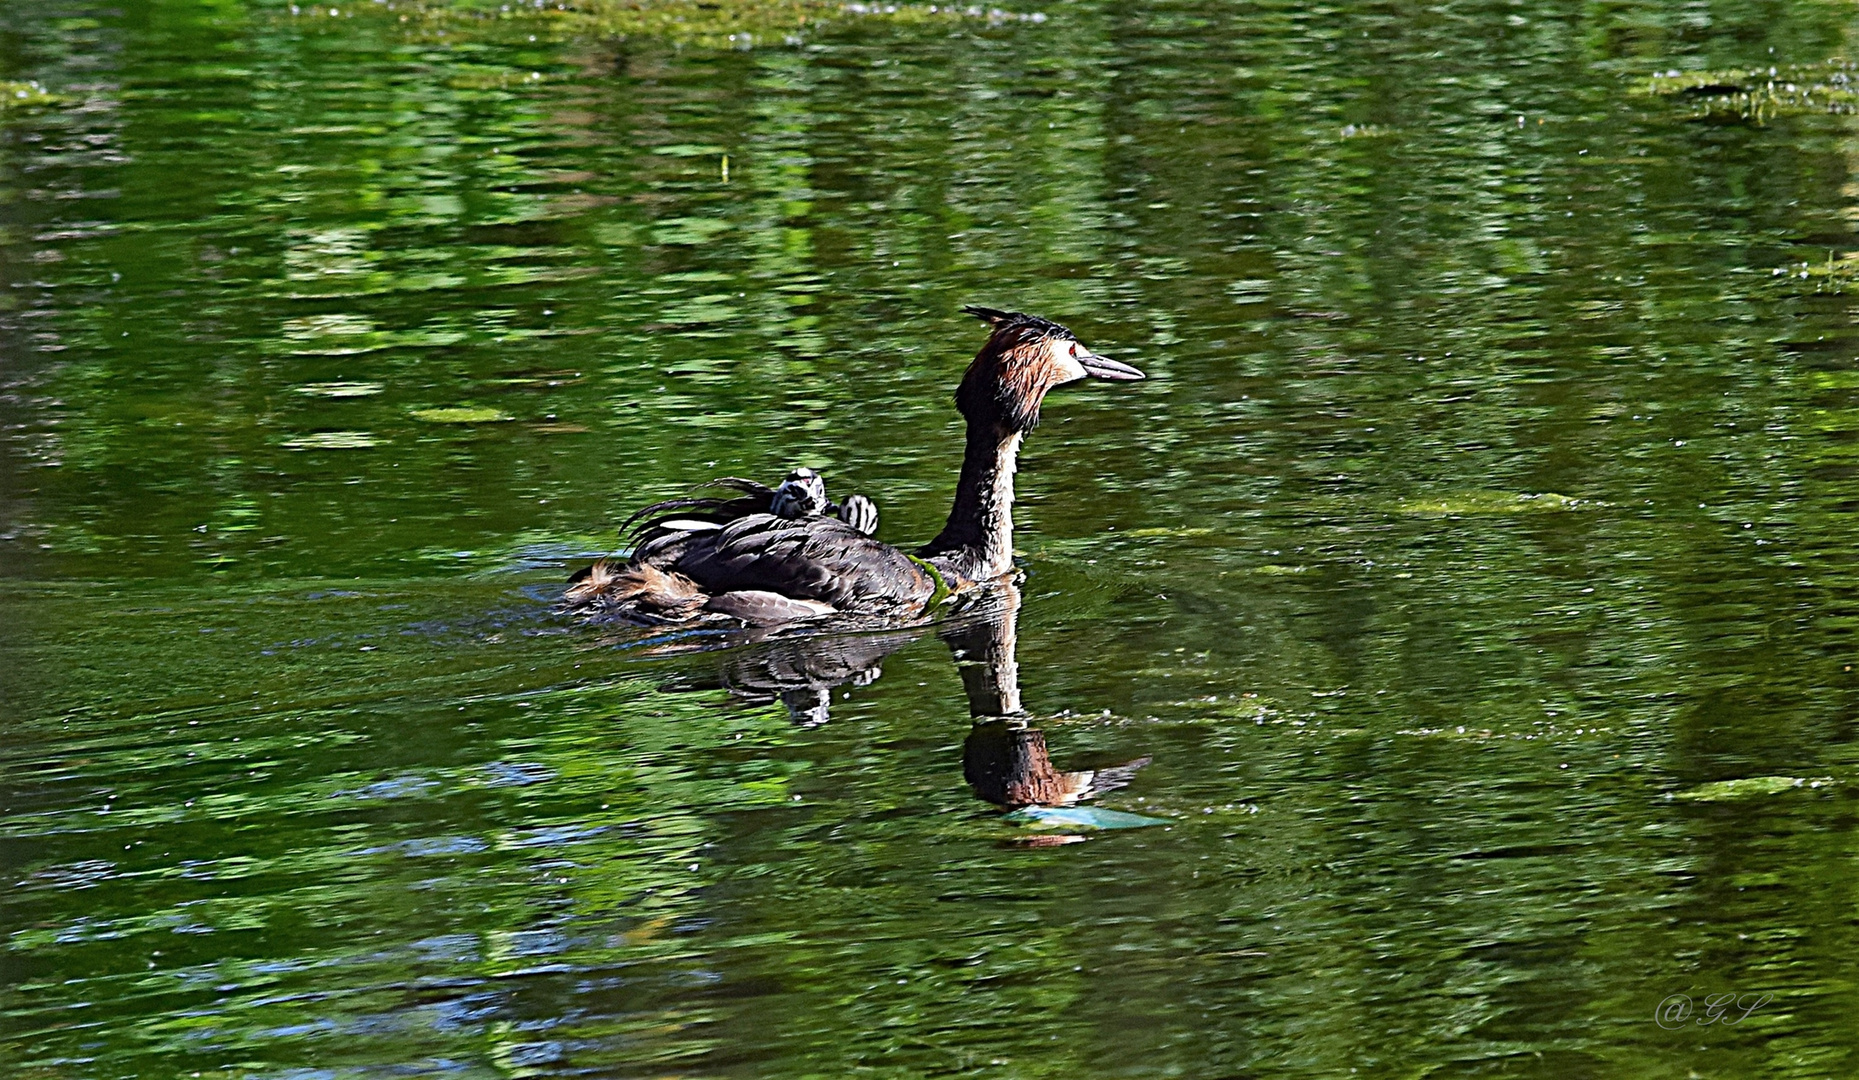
[(1004, 759), (803, 672)]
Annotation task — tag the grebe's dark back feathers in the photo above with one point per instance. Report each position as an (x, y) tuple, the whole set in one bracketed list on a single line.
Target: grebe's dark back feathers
[(744, 569), (817, 558)]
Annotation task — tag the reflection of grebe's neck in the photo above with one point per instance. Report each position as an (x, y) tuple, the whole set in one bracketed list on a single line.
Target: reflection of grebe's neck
[(991, 678), (1006, 763), (984, 653), (1004, 760)]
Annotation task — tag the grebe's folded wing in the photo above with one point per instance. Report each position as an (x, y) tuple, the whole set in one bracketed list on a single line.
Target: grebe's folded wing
[(818, 558)]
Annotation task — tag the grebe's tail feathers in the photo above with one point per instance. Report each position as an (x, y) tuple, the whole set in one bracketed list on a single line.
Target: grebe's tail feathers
[(638, 592)]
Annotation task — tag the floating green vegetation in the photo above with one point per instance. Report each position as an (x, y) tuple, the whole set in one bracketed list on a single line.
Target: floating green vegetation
[(740, 24), (333, 440), (482, 77), (352, 335), (340, 389), (463, 414), (1195, 530), (1490, 502), (744, 24), (1764, 93), (729, 24), (1838, 273), (1278, 570), (1747, 787), (15, 95)]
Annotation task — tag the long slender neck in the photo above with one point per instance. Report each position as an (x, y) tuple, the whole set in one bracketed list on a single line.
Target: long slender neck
[(977, 542)]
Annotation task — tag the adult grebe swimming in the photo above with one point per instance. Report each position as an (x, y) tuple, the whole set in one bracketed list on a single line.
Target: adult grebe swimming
[(741, 559)]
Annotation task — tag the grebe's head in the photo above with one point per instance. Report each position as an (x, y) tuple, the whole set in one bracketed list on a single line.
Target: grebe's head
[(1026, 356)]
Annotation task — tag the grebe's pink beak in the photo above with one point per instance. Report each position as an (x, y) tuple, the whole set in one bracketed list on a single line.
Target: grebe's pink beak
[(1103, 367)]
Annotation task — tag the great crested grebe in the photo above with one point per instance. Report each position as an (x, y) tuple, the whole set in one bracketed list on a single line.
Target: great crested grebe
[(738, 559)]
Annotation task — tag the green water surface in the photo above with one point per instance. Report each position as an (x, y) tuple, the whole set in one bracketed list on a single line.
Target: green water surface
[(1478, 567)]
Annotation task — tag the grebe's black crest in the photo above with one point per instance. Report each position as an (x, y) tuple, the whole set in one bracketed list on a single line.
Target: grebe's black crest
[(1027, 326)]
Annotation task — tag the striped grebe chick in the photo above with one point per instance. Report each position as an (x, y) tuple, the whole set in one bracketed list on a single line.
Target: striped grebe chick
[(803, 495)]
